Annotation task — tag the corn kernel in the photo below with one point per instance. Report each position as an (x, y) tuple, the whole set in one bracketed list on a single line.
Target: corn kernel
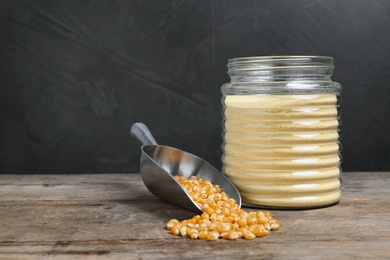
[(221, 215), (223, 227), (213, 235), (218, 196), (243, 214), (242, 222), (204, 221), (213, 205), (213, 226), (205, 215), (171, 223), (261, 220), (203, 226), (225, 211), (232, 202), (267, 226), (228, 219), (251, 221), (260, 231), (233, 235), (175, 229), (192, 221), (203, 234), (249, 235), (196, 218), (192, 233), (209, 210), (274, 225), (183, 230), (224, 197), (225, 235)]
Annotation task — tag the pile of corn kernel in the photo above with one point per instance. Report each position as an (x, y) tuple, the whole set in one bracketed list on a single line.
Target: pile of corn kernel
[(221, 217)]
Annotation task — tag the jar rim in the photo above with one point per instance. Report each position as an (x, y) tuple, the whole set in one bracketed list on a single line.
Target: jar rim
[(280, 57), (280, 63)]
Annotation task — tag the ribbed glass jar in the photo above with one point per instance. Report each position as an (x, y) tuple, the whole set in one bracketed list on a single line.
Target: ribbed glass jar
[(281, 131)]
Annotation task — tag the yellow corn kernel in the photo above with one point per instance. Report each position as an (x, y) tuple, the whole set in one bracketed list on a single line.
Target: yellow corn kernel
[(213, 235), (267, 226), (204, 221), (209, 210), (205, 215), (175, 229), (225, 235), (261, 220), (251, 221), (252, 227), (243, 214), (213, 217), (249, 235), (217, 196), (228, 219), (260, 231), (235, 225), (192, 233), (242, 222), (213, 205), (232, 202), (207, 183), (202, 227), (213, 226), (203, 234), (190, 225), (224, 227), (233, 235), (183, 230), (196, 218), (221, 215), (219, 219), (235, 210), (171, 223), (192, 221), (252, 214), (210, 192), (274, 225), (241, 229), (224, 196)]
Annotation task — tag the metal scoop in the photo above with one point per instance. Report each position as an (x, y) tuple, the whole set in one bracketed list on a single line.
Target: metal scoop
[(159, 163)]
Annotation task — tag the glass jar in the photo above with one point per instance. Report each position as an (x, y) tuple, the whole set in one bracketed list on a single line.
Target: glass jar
[(281, 131)]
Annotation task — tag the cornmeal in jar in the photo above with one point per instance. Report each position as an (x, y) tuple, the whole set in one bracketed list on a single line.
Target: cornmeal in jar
[(283, 150)]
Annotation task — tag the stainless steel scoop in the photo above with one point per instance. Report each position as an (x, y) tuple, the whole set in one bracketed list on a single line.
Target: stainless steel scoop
[(159, 163)]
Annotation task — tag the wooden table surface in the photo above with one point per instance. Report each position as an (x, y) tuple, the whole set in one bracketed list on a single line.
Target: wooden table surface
[(115, 216)]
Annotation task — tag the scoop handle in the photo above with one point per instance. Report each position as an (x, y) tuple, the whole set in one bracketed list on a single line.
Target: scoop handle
[(142, 133)]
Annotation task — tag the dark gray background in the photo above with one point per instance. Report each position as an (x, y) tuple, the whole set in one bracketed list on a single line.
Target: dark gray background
[(74, 75)]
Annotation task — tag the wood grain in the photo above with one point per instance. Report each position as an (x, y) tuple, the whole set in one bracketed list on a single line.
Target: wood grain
[(115, 216)]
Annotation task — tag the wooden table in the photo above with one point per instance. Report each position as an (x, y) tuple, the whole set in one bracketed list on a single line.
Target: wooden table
[(115, 216)]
